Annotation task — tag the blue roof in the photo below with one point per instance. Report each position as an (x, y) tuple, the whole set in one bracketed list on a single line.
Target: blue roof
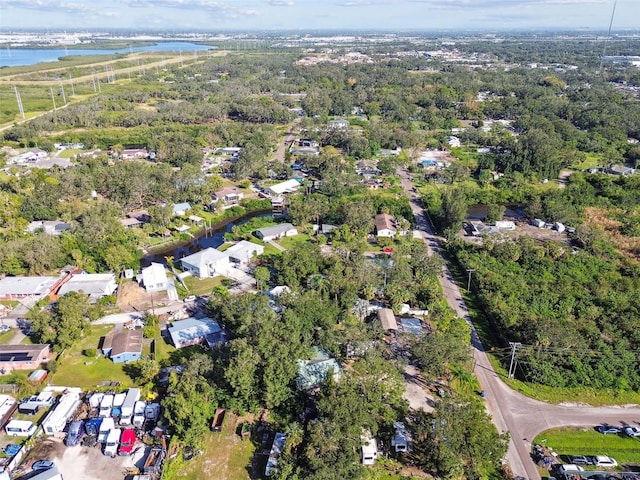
[(411, 325)]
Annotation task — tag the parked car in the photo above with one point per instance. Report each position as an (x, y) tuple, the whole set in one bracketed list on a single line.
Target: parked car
[(604, 461), (42, 465), (190, 298), (605, 429), (76, 431), (580, 460), (570, 467), (632, 431)]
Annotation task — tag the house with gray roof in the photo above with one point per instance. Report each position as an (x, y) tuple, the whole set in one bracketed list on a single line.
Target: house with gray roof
[(180, 209), (312, 372), (268, 234), (206, 263), (21, 287), (95, 285), (126, 346), (50, 227), (243, 252), (194, 331)]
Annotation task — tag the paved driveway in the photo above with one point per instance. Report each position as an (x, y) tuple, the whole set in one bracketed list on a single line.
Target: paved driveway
[(511, 411)]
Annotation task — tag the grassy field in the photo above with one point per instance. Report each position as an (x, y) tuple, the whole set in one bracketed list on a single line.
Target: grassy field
[(77, 370), (289, 242), (224, 453), (199, 287), (573, 441), (591, 161)]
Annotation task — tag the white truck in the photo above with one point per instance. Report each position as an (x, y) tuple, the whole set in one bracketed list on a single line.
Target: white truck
[(113, 440), (138, 413), (152, 411), (105, 406), (105, 427), (127, 409)]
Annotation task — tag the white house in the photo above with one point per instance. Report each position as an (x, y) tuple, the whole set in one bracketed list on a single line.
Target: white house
[(154, 278), (288, 186), (268, 234), (453, 141), (180, 209), (50, 227), (243, 252), (385, 225), (206, 263), (338, 124), (95, 285)]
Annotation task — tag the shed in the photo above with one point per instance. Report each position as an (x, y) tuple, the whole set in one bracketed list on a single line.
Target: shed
[(268, 234), (506, 225), (387, 319), (126, 346)]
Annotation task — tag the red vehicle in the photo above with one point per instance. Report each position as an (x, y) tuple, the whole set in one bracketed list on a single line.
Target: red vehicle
[(127, 441)]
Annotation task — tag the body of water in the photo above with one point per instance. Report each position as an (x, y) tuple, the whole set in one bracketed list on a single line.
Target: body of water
[(12, 57), (212, 238)]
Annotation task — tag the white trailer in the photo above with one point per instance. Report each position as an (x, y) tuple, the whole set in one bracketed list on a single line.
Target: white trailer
[(126, 412), (113, 440), (105, 427), (62, 413), (118, 399), (105, 406), (138, 413), (95, 400)]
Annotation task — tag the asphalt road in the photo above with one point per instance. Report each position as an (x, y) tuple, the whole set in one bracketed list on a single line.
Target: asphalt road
[(512, 412)]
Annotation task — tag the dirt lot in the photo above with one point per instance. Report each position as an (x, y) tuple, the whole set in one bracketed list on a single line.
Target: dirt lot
[(84, 462), (132, 298)]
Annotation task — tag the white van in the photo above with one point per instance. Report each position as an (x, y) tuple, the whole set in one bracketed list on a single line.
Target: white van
[(20, 428), (105, 406), (113, 440)]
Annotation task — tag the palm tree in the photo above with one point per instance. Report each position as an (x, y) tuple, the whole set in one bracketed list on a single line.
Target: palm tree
[(462, 377), (319, 283)]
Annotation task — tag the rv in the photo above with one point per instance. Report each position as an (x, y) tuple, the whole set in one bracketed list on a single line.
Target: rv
[(20, 428), (105, 406), (61, 414), (127, 409), (369, 449), (8, 406), (113, 440)]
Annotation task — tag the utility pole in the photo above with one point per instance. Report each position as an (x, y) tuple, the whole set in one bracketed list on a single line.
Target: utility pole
[(469, 271), (52, 98), (514, 347)]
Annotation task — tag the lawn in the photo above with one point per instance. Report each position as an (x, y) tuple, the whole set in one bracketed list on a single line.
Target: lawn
[(224, 453), (77, 370), (591, 161), (574, 441), (69, 152), (199, 287), (290, 242)]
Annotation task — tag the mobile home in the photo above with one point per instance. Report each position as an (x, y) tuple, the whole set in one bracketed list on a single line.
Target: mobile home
[(64, 411)]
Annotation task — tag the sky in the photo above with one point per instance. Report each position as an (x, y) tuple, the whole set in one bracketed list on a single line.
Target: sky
[(251, 15)]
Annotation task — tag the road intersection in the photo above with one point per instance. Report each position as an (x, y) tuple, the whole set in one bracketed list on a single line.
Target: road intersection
[(512, 412)]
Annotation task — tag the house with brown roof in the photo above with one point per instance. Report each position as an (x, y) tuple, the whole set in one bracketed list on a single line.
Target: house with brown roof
[(23, 357), (123, 347), (385, 225)]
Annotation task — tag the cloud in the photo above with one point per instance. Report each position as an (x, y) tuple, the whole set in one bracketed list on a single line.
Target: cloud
[(481, 4), (41, 5), (281, 3)]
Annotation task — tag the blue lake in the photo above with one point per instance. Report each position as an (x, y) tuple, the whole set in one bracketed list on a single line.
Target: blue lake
[(11, 57)]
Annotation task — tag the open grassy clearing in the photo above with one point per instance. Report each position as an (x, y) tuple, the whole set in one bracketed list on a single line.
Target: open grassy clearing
[(204, 286), (574, 441), (290, 242), (77, 370)]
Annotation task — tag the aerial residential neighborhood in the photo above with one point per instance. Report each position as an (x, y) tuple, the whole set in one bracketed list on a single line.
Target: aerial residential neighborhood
[(317, 255)]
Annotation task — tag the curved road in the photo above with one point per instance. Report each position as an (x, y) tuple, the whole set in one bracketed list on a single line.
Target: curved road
[(512, 412)]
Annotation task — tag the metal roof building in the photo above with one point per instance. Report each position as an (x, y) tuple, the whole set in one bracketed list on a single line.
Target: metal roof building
[(18, 287)]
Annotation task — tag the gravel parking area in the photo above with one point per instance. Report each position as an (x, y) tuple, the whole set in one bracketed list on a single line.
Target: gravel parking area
[(88, 463)]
